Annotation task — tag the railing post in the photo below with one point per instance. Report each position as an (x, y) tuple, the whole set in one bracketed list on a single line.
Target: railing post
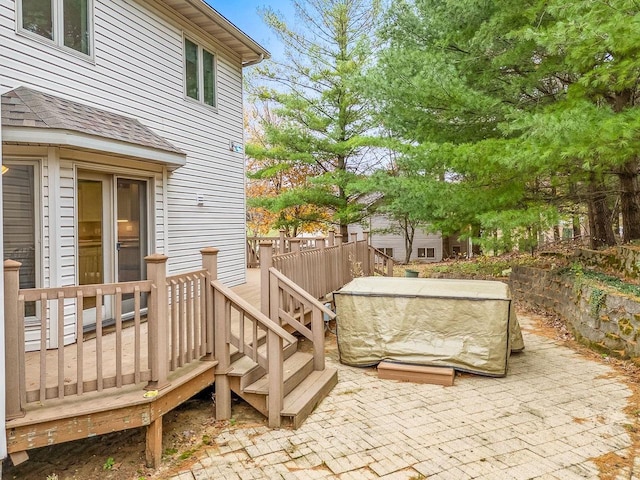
[(158, 321), (317, 330), (282, 246), (365, 236), (223, 355), (276, 378), (294, 243), (13, 342), (275, 359), (354, 237), (332, 238), (266, 262), (338, 239), (210, 264), (390, 267)]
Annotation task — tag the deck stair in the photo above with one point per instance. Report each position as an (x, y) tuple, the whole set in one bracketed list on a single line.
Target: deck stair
[(303, 388)]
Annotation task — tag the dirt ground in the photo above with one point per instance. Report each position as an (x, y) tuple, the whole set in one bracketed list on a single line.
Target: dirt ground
[(120, 456)]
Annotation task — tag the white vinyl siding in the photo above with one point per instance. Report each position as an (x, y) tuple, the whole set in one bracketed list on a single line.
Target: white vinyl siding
[(138, 72), (379, 238)]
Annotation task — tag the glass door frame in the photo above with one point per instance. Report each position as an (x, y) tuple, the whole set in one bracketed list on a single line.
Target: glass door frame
[(146, 228), (110, 231), (107, 239)]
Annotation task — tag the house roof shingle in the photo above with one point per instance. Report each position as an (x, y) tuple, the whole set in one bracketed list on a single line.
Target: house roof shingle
[(25, 107)]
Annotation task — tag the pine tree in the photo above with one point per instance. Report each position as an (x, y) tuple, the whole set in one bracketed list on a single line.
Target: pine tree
[(317, 95), (525, 109)]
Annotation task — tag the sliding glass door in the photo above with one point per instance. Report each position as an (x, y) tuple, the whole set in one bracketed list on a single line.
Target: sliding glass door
[(111, 248), (131, 245)]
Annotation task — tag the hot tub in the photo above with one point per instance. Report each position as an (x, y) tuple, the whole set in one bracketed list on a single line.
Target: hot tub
[(469, 325)]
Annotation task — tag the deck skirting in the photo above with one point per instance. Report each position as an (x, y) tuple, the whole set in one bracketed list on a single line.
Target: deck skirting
[(98, 413)]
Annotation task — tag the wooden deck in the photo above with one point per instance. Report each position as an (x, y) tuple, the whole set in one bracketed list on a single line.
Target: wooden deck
[(109, 410), (196, 332)]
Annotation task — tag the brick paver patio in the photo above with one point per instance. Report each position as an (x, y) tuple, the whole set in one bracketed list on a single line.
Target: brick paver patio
[(549, 418)]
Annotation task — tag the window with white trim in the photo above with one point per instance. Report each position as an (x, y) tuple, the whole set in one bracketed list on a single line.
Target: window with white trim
[(66, 23), (199, 73)]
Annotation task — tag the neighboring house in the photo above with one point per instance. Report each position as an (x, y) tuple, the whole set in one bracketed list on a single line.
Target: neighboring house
[(427, 247), (122, 135)]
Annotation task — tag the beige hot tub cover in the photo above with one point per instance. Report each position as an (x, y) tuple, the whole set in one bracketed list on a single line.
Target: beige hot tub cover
[(469, 325)]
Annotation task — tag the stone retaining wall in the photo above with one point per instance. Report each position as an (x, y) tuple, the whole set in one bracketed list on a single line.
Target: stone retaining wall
[(607, 321), (623, 259)]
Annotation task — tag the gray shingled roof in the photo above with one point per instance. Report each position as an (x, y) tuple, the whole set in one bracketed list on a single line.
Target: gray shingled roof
[(24, 107)]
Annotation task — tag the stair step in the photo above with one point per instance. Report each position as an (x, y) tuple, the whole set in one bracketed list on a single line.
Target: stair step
[(302, 400), (295, 369), (242, 366)]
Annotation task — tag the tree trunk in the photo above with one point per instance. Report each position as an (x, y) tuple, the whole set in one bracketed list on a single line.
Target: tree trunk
[(600, 225), (630, 201), (409, 234), (476, 250), (577, 231)]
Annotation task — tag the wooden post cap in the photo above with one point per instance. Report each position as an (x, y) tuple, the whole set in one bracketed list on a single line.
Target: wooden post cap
[(11, 265), (156, 258), (209, 251), (266, 243)]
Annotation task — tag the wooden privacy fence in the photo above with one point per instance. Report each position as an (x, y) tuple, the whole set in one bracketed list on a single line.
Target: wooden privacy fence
[(178, 330)]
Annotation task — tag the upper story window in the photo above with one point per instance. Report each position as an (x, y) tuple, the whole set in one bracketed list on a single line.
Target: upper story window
[(67, 23), (200, 73)]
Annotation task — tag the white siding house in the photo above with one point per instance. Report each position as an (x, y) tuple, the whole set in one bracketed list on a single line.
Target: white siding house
[(386, 237), (118, 121)]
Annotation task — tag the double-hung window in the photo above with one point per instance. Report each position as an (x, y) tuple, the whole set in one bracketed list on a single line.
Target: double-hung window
[(200, 73), (66, 23)]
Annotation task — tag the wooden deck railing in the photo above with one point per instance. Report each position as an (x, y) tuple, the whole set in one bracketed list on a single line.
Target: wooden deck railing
[(179, 330), (290, 305), (187, 296), (323, 270), (251, 325), (283, 244), (55, 379)]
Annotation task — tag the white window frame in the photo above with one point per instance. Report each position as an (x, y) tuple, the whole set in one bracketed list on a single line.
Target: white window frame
[(201, 49), (58, 28)]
